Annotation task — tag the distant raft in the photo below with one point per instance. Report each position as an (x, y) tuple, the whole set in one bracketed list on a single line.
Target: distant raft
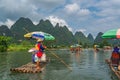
[(29, 68)]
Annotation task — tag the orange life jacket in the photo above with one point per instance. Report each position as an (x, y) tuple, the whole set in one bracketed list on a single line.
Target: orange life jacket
[(115, 55)]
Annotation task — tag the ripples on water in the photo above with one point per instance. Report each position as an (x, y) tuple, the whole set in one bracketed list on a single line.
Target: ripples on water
[(86, 65)]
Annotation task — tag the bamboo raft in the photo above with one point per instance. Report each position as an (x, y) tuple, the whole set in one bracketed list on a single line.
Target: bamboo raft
[(29, 68), (117, 72)]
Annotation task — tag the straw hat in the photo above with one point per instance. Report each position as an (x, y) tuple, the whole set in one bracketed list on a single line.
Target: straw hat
[(39, 40)]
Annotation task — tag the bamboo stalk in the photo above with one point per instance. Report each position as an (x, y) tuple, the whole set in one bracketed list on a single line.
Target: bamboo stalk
[(60, 60)]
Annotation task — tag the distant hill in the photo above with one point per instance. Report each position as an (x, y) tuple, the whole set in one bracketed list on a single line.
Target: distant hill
[(5, 31), (90, 38), (45, 26), (22, 26), (82, 39), (61, 33), (98, 38), (63, 36)]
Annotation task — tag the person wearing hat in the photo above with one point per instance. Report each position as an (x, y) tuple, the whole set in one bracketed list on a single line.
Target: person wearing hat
[(115, 57), (40, 49)]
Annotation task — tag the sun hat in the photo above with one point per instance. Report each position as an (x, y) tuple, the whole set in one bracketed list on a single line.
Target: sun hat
[(39, 40)]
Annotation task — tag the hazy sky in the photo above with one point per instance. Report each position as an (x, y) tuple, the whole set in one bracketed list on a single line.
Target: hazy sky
[(88, 16)]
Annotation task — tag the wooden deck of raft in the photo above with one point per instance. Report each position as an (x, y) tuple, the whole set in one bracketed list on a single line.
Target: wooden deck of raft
[(29, 68), (117, 72)]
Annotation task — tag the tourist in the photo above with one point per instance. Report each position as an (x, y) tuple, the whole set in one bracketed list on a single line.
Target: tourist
[(40, 52), (115, 57)]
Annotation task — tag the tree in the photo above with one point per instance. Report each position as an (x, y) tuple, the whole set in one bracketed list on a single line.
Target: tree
[(4, 42), (104, 43)]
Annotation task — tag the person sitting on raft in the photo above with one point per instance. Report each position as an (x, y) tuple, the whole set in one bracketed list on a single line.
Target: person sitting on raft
[(115, 57)]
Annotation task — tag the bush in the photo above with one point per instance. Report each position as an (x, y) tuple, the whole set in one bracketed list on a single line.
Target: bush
[(4, 42)]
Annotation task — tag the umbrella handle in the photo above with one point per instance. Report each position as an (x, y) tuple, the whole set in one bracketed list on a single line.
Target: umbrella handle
[(61, 60)]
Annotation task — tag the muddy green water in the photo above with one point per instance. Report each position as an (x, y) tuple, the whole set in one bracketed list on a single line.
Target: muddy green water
[(86, 65)]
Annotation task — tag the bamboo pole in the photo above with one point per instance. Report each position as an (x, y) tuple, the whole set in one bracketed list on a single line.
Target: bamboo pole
[(60, 60)]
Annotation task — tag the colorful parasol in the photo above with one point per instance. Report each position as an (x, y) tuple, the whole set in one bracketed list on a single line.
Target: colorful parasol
[(114, 34), (39, 35)]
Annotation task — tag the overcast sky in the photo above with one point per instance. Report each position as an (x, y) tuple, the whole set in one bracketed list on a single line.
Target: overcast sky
[(88, 16)]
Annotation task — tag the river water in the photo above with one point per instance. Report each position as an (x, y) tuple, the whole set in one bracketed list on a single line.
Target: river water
[(86, 65)]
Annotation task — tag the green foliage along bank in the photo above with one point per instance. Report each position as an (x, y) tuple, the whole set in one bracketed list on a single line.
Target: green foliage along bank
[(4, 43), (23, 45)]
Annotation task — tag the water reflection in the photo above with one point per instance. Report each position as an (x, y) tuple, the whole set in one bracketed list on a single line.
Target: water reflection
[(77, 57), (86, 65)]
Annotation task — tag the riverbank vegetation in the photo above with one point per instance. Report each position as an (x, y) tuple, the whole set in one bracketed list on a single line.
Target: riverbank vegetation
[(16, 47), (4, 43), (8, 44)]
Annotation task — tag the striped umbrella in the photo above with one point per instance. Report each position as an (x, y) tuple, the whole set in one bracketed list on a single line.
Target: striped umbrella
[(39, 35), (114, 34)]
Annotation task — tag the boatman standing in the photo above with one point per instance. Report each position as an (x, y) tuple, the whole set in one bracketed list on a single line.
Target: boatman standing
[(115, 57), (40, 55)]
